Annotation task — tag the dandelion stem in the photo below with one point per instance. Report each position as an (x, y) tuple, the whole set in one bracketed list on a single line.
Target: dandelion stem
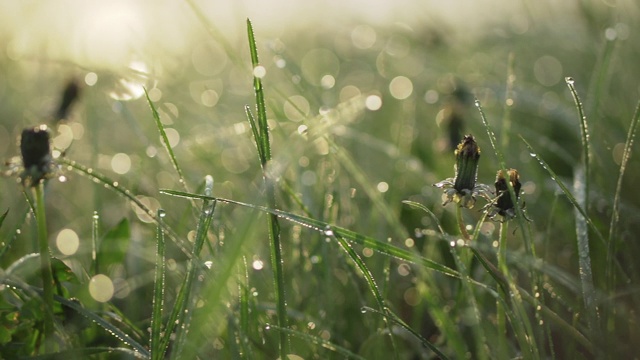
[(45, 264), (463, 230), (501, 313)]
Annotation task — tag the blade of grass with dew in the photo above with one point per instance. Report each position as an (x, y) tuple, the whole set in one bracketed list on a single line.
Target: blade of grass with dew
[(320, 226), (564, 189), (127, 194), (320, 342), (586, 147), (524, 334), (584, 254), (88, 352), (187, 296), (157, 353), (615, 213), (166, 144), (270, 186)]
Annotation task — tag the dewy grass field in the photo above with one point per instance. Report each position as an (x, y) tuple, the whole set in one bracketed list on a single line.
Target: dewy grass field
[(272, 196)]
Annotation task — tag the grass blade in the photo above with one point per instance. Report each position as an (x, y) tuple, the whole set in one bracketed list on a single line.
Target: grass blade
[(166, 144), (564, 189), (584, 132), (615, 215), (185, 300), (264, 146), (157, 352), (321, 226)]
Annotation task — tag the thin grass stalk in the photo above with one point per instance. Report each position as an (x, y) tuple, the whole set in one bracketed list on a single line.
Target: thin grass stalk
[(157, 352), (503, 349), (189, 290), (264, 145), (167, 145), (584, 257), (615, 213), (45, 266), (584, 134)]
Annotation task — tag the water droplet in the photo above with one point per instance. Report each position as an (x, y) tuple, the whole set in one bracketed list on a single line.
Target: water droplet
[(569, 80), (328, 231), (477, 102), (162, 213), (267, 327), (533, 154), (62, 178), (363, 310), (96, 216)]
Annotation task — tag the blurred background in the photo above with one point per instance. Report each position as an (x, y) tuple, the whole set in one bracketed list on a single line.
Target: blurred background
[(366, 100)]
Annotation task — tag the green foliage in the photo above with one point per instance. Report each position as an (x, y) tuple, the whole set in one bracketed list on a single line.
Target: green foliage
[(306, 245)]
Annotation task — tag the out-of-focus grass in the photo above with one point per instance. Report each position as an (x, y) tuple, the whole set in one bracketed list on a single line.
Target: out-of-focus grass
[(360, 118)]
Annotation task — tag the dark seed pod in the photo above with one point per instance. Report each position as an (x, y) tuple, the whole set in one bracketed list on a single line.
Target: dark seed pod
[(35, 148), (505, 204)]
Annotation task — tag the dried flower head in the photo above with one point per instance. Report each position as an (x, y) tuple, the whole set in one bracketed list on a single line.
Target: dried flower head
[(503, 204), (462, 188), (37, 162)]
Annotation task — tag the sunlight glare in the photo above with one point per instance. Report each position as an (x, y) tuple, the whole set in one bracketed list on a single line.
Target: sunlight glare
[(101, 288), (67, 242)]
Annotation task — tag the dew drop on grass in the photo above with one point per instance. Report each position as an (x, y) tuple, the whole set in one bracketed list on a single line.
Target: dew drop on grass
[(162, 213), (363, 310), (569, 80), (96, 216), (327, 231)]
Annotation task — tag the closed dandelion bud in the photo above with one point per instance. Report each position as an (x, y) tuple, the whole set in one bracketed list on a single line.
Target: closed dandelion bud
[(462, 188), (35, 149), (505, 204), (467, 156)]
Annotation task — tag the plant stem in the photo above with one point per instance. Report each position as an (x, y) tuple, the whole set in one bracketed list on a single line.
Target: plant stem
[(463, 230), (45, 265), (503, 350)]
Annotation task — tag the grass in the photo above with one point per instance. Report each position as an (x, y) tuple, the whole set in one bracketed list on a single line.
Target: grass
[(318, 232)]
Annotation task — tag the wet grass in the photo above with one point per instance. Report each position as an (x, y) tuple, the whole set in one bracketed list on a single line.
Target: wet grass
[(316, 230)]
